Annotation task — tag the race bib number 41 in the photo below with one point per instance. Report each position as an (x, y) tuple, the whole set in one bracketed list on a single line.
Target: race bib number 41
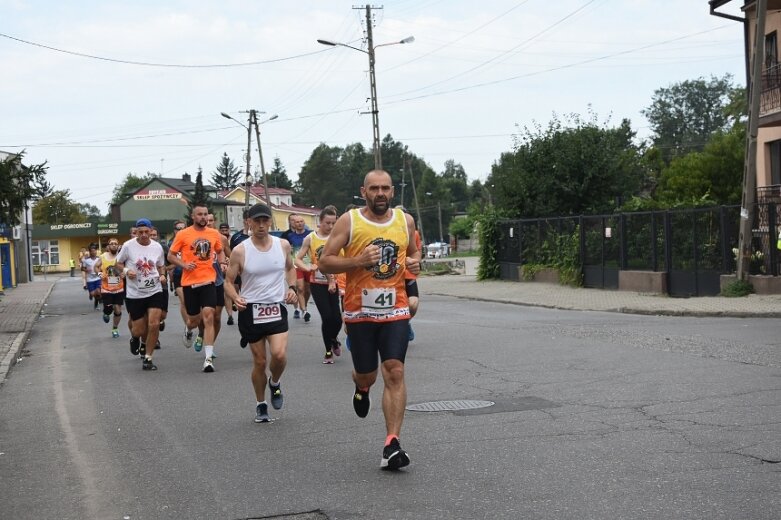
[(378, 301), (266, 312)]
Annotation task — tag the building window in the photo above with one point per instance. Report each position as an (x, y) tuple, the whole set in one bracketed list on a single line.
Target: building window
[(771, 50), (45, 252)]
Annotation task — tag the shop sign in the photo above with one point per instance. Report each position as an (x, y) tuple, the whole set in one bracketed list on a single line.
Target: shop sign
[(162, 194)]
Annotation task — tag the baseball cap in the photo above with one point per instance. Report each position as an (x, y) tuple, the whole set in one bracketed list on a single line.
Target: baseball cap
[(145, 222), (224, 225), (259, 210)]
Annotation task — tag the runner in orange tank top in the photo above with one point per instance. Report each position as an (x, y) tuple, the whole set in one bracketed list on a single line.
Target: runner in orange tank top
[(377, 252)]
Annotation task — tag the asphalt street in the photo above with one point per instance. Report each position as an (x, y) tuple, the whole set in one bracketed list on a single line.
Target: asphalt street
[(595, 415)]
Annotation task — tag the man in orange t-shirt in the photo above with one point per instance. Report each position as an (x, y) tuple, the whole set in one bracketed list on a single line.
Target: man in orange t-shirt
[(194, 249)]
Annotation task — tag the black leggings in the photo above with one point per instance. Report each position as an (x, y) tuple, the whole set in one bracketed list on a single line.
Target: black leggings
[(327, 304)]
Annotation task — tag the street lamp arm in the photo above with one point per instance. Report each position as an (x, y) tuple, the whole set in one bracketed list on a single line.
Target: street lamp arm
[(408, 39), (339, 44)]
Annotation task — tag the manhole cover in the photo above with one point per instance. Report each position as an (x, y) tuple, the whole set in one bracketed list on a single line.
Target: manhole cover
[(448, 406)]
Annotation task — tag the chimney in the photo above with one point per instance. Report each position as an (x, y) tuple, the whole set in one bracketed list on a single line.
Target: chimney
[(186, 177)]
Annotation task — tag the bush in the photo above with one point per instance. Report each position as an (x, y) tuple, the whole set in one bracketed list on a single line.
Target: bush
[(737, 288)]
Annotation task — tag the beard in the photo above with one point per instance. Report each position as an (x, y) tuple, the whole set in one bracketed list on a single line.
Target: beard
[(378, 207)]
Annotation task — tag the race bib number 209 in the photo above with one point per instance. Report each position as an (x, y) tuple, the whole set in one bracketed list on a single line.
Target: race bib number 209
[(266, 312)]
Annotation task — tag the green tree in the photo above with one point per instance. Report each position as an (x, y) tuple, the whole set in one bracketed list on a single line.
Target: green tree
[(568, 168), (713, 176), (91, 212), (129, 184), (199, 197), (277, 176), (684, 115), (58, 208), (320, 180), (455, 182), (225, 175), (18, 185)]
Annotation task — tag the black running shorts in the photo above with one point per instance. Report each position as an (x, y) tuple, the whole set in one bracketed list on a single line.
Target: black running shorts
[(196, 298), (254, 332), (368, 339), (116, 298), (137, 307)]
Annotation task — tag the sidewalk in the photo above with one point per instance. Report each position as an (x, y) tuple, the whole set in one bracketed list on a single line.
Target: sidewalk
[(19, 309), (556, 296)]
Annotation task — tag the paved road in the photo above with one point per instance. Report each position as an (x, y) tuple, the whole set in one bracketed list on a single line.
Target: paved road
[(596, 415)]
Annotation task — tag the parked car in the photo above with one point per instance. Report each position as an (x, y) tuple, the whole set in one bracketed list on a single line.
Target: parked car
[(437, 250)]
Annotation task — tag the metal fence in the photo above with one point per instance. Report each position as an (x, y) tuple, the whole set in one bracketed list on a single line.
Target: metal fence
[(693, 246)]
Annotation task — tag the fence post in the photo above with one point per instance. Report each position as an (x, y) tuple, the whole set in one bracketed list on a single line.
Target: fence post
[(725, 249), (772, 237), (582, 244), (668, 250), (654, 252), (622, 262)]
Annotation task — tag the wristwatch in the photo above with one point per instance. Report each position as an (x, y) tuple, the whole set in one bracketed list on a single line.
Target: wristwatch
[(293, 287)]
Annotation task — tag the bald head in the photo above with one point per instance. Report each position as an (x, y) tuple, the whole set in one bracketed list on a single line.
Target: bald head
[(376, 176), (377, 191)]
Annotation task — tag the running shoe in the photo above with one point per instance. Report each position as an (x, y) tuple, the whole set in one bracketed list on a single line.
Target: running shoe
[(208, 365), (261, 413), (230, 320), (162, 325), (142, 349), (187, 339), (114, 333), (157, 345), (198, 345), (148, 365), (393, 457), (276, 395), (307, 317), (135, 344), (361, 402), (106, 318), (337, 348), (328, 359), (296, 314), (411, 333), (243, 342)]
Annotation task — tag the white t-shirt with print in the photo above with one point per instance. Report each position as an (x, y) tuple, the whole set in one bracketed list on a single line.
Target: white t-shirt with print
[(144, 260)]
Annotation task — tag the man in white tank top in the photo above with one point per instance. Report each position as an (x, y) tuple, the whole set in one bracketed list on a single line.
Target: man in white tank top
[(268, 280)]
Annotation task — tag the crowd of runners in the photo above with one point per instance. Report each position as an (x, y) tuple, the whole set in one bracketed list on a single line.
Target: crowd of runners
[(358, 268)]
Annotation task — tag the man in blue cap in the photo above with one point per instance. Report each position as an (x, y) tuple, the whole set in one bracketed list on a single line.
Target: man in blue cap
[(142, 263)]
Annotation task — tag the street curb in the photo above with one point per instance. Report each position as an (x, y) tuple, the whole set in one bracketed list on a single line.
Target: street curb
[(10, 357), (21, 339), (625, 310)]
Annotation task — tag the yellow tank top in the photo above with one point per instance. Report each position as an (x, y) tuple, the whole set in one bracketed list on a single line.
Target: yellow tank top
[(377, 293), (111, 281), (316, 244)]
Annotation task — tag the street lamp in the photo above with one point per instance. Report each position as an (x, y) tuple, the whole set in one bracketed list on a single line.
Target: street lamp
[(372, 81)]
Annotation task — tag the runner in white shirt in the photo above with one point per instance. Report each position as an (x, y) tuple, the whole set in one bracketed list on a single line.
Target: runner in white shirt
[(141, 260), (268, 280)]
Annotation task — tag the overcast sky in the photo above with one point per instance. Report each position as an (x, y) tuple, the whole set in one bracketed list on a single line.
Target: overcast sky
[(102, 88)]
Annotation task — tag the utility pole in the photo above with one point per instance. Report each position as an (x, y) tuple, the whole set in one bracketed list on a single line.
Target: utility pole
[(247, 177), (373, 84), (439, 210), (402, 187), (254, 116), (415, 196), (750, 166)]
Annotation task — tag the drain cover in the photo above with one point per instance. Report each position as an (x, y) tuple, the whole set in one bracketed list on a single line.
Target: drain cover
[(448, 406)]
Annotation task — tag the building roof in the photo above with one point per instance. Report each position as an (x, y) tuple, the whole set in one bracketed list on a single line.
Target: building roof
[(257, 191)]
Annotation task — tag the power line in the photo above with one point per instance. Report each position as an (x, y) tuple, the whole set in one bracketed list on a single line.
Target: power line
[(165, 65)]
